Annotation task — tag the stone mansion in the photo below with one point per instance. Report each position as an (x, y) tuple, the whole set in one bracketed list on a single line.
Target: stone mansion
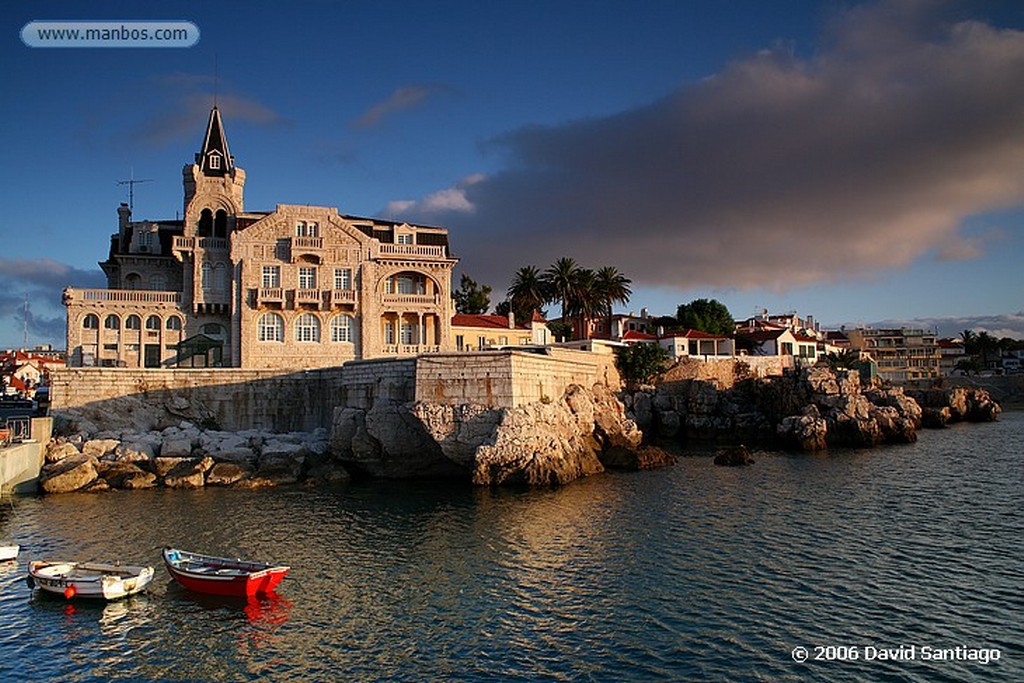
[(297, 287)]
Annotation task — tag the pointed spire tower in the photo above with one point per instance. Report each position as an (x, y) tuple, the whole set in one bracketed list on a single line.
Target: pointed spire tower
[(213, 199), (213, 184), (215, 159)]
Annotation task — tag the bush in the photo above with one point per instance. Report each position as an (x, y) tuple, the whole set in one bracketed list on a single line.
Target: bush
[(641, 363)]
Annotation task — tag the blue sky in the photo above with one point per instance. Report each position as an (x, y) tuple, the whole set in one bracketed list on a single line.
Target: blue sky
[(862, 162)]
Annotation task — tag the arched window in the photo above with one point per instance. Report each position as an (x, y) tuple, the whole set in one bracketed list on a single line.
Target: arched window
[(133, 322), (220, 224), (307, 328), (207, 275), (112, 322), (270, 327), (153, 322), (91, 322), (205, 228), (341, 328), (174, 323), (158, 282), (133, 281)]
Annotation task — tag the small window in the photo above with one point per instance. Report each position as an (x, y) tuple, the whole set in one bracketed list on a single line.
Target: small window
[(271, 277), (405, 239), (215, 162), (174, 323), (91, 322), (408, 333), (133, 322), (342, 278), (341, 328), (112, 322), (307, 277), (153, 322)]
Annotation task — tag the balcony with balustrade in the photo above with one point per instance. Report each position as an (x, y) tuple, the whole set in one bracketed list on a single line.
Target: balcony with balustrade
[(270, 295), (407, 251), (342, 297), (300, 245), (411, 300), (309, 297)]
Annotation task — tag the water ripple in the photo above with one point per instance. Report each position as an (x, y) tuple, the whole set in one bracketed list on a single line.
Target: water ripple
[(690, 573)]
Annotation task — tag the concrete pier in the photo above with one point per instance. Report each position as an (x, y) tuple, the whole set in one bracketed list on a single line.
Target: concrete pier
[(21, 463)]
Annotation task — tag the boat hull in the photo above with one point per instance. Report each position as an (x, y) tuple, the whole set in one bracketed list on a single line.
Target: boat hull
[(89, 579), (222, 576)]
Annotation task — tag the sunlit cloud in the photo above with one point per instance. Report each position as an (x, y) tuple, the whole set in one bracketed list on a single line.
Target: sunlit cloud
[(441, 203), (402, 99)]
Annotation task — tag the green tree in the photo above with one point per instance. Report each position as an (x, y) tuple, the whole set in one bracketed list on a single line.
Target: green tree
[(970, 341), (560, 330), (641, 363), (706, 315), (470, 297), (561, 280), (986, 344), (527, 293), (612, 288), (843, 360)]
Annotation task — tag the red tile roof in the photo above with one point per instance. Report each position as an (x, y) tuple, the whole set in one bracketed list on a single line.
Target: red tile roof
[(494, 322), (635, 335)]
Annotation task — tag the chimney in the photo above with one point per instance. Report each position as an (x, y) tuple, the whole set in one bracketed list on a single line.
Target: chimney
[(511, 320), (643, 312)]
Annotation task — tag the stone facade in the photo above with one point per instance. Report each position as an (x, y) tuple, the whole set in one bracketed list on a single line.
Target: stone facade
[(295, 288)]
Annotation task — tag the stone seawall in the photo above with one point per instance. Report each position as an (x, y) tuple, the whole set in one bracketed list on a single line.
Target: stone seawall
[(230, 399), (509, 379), (237, 400)]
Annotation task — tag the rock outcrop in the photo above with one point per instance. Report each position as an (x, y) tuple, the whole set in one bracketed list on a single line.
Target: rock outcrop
[(810, 409), (184, 456), (945, 406), (540, 444)]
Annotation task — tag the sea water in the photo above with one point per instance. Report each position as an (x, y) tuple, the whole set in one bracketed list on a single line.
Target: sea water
[(901, 563)]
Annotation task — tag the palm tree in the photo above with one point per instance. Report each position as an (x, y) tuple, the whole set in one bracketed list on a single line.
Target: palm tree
[(561, 279), (613, 287), (585, 300), (970, 340), (985, 343), (528, 291)]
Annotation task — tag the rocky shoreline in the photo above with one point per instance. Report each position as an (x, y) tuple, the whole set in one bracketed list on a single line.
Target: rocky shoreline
[(811, 409), (130, 444), (547, 443)]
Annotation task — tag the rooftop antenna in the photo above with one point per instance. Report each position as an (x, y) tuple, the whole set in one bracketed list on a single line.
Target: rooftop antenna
[(24, 342), (216, 79), (131, 183)]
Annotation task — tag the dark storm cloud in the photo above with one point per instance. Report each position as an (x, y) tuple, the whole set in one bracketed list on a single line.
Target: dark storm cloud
[(999, 326), (776, 172), (42, 281)]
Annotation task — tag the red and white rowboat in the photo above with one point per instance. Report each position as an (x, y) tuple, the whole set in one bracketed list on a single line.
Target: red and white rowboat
[(222, 575), (88, 579)]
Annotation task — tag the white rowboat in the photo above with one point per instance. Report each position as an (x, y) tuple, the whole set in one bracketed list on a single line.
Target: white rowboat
[(88, 579), (9, 552)]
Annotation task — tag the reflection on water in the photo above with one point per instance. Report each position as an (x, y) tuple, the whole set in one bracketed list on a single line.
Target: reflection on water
[(695, 572)]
